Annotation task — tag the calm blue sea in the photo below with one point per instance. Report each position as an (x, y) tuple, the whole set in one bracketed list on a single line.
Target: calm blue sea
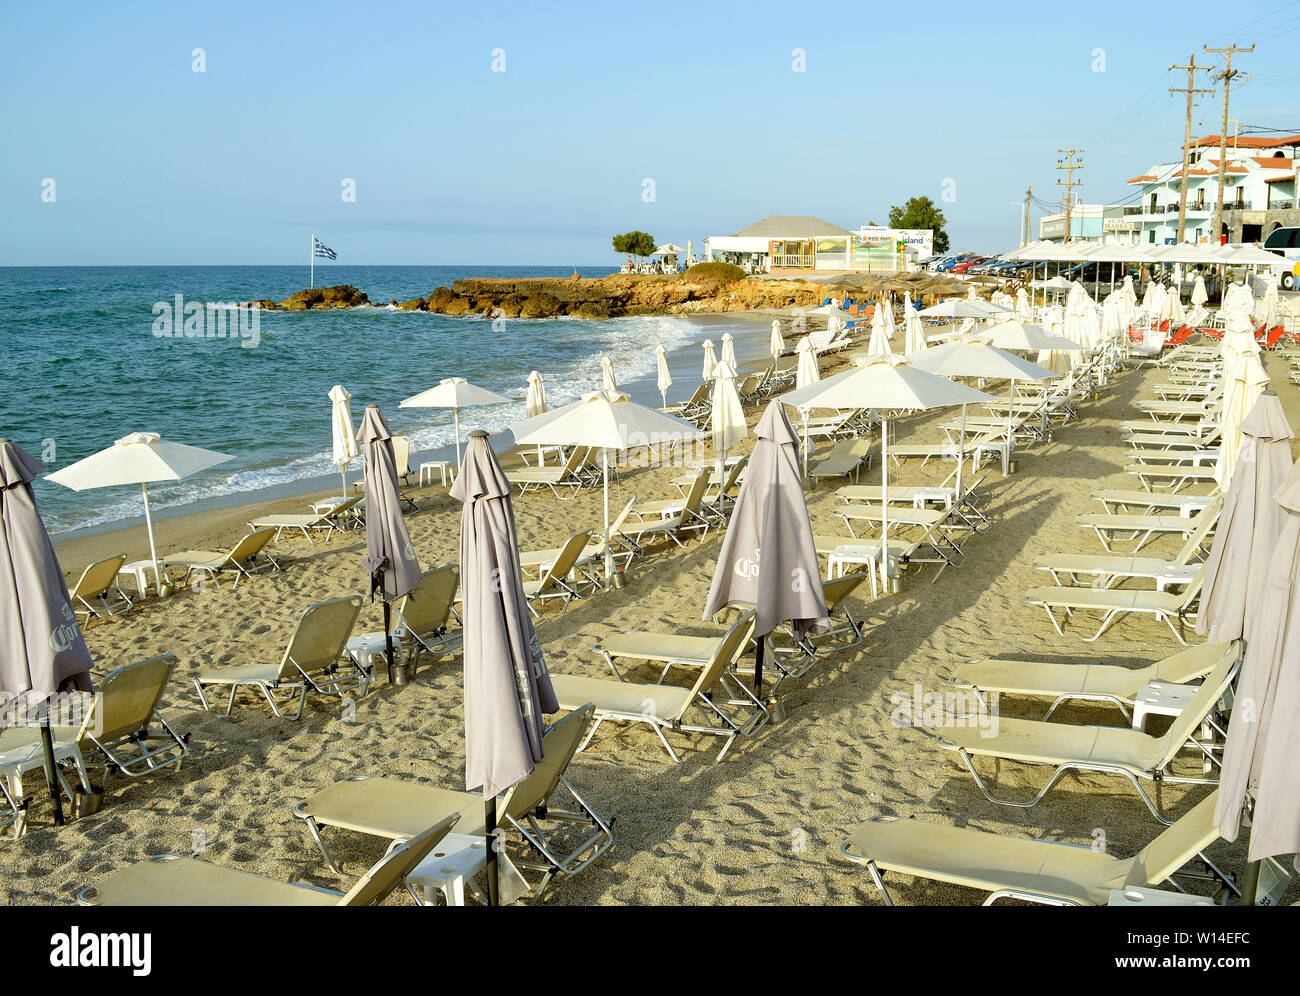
[(82, 367)]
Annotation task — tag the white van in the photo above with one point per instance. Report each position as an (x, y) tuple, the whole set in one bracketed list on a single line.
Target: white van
[(1286, 243)]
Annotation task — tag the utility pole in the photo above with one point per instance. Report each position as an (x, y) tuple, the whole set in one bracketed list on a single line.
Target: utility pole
[(1024, 220), (1227, 75), (1191, 92), (1069, 165)]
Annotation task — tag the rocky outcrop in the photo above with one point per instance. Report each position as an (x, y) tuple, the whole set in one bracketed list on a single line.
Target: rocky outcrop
[(342, 296)]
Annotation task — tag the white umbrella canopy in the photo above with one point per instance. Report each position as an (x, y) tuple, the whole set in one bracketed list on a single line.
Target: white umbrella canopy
[(1023, 311), (807, 371), (954, 308), (1244, 382), (1266, 308), (886, 384), (454, 393), (1198, 291), (710, 360), (664, 379), (535, 402), (608, 420), (1026, 337), (879, 343), (885, 306), (729, 351), (777, 344), (139, 458), (346, 448), (913, 332), (607, 381), (727, 419), (668, 249)]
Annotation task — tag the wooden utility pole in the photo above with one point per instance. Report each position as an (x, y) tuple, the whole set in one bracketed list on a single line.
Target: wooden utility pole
[(1191, 92), (1227, 75), (1024, 233), (1069, 165)]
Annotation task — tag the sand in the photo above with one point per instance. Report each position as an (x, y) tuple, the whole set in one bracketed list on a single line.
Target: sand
[(763, 826)]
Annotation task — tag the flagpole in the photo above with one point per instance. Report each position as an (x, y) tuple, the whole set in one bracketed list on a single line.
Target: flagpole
[(311, 256)]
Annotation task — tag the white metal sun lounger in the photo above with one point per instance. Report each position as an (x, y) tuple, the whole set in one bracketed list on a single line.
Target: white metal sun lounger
[(327, 520), (242, 560), (1126, 528), (1118, 602)]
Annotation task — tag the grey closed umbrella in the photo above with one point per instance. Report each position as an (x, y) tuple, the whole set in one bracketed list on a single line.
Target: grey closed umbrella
[(42, 650), (1259, 756), (390, 557), (1249, 524), (768, 558), (507, 686)]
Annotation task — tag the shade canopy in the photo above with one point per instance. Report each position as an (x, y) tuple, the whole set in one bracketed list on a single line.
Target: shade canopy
[(727, 416), (969, 356), (776, 344), (1024, 336), (453, 392), (955, 308), (668, 249), (663, 378), (882, 383), (138, 458), (607, 381), (710, 360), (605, 419)]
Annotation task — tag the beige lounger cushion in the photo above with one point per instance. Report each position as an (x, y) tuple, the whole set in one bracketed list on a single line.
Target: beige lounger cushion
[(1036, 742), (662, 647), (623, 697), (990, 861), (1107, 598), (240, 674), (191, 882), (393, 808)]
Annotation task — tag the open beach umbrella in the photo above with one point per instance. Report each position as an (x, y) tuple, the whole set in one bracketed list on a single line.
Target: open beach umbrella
[(390, 557), (139, 458), (1263, 742), (665, 379), (1249, 523), (507, 686), (729, 351), (955, 308), (967, 356), (454, 393), (1244, 382), (607, 381), (878, 345), (609, 421), (42, 650), (710, 360), (770, 530), (777, 344), (346, 448), (535, 401), (1024, 337), (886, 384)]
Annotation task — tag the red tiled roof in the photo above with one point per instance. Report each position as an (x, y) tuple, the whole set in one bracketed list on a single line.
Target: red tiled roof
[(1248, 141), (1140, 179), (1275, 162), (1280, 179)]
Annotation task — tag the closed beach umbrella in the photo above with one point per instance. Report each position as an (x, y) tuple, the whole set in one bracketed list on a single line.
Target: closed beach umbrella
[(454, 393), (727, 420), (1023, 311), (42, 650), (665, 379), (1263, 742), (769, 531), (535, 402), (807, 371), (346, 447), (608, 383), (710, 359), (1245, 381), (139, 458), (608, 421), (729, 351), (886, 384), (913, 331), (1199, 296), (879, 343), (507, 686), (777, 344), (1249, 524), (886, 307), (390, 557)]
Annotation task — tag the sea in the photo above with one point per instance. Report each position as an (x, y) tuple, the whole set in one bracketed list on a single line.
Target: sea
[(83, 363)]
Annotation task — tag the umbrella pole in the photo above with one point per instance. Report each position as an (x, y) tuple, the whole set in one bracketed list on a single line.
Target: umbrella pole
[(493, 869), (760, 644), (961, 459), (153, 552), (884, 502), (455, 414), (388, 636), (51, 772), (805, 443), (604, 473), (1011, 435)]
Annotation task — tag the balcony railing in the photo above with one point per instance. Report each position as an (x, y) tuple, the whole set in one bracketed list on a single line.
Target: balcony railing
[(793, 261)]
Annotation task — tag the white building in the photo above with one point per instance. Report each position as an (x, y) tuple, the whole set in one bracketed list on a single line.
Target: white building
[(1259, 191), (784, 243), (1102, 223)]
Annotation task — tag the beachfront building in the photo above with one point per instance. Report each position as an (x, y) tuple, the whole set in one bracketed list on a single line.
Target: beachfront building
[(788, 244), (1094, 223), (1259, 191)]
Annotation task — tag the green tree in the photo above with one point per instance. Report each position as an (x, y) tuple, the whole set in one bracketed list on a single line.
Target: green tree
[(920, 212), (635, 243)]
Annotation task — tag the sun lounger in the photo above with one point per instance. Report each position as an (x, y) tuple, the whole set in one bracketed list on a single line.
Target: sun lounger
[(316, 659), (935, 527), (1037, 870), (1129, 753), (129, 732), (843, 459), (395, 809), (1173, 477), (677, 519), (1146, 502), (96, 591), (559, 579), (1105, 571), (692, 406), (420, 622), (568, 475), (794, 657), (241, 560), (1108, 683), (327, 520), (664, 707), (1119, 602), (536, 561), (182, 880), (975, 447), (1126, 528)]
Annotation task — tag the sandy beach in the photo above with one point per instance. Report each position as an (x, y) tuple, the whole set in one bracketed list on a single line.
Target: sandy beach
[(763, 826)]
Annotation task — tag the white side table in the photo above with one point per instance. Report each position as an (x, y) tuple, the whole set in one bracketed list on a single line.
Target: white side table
[(140, 570), (444, 468), (455, 861), (1160, 698), (864, 553)]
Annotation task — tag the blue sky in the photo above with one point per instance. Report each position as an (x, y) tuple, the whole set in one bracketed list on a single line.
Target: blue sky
[(454, 163)]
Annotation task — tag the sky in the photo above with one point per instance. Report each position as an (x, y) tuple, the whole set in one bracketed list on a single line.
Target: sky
[(524, 133)]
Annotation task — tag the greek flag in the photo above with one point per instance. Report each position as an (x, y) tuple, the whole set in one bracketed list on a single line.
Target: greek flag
[(319, 248)]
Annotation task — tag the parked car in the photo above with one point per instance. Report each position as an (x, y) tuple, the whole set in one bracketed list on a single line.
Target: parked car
[(965, 265), (949, 265)]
